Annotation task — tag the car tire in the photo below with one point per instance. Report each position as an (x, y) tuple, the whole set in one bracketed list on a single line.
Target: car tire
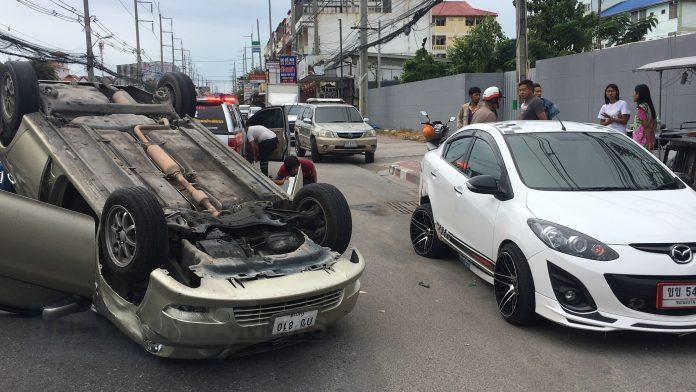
[(336, 227), (299, 151), (316, 156), (424, 238), (513, 287), (369, 157), (133, 237), (19, 95), (181, 92)]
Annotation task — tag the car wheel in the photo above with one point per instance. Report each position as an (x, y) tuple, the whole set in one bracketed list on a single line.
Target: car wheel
[(333, 225), (299, 151), (181, 92), (316, 157), (133, 234), (514, 287), (369, 157), (423, 236), (19, 95)]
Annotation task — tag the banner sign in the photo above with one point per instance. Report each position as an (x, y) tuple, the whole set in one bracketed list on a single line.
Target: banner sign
[(288, 69), (255, 46), (273, 68)]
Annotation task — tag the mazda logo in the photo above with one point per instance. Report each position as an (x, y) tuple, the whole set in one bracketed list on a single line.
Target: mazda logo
[(681, 254)]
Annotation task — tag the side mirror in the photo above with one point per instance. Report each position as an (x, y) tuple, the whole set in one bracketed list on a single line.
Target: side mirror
[(424, 113), (307, 120), (484, 184), (366, 119)]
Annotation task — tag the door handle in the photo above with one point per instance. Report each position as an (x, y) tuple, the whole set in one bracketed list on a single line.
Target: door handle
[(459, 190), (433, 173)]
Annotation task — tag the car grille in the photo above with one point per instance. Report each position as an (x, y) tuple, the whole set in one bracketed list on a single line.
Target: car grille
[(639, 292), (660, 248), (248, 316), (350, 135)]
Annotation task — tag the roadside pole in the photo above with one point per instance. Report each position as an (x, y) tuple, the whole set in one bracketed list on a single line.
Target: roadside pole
[(270, 32), (139, 68), (258, 36), (161, 41), (253, 65), (173, 56), (340, 49), (362, 77), (88, 38), (521, 40), (379, 54)]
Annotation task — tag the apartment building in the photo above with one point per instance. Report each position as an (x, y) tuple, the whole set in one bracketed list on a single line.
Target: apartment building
[(453, 19)]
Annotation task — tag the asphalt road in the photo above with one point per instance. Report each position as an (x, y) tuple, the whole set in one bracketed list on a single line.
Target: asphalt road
[(401, 335)]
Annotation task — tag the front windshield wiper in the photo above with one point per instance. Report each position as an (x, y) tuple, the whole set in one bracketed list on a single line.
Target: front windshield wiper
[(606, 188), (673, 184)]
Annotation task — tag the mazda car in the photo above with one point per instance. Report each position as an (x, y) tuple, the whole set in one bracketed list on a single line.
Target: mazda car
[(572, 222)]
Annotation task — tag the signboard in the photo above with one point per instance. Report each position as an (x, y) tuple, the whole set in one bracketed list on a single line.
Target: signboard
[(257, 78), (288, 69), (248, 90), (255, 46), (273, 72)]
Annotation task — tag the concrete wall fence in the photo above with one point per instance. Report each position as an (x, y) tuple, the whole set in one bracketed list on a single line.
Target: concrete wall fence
[(574, 83)]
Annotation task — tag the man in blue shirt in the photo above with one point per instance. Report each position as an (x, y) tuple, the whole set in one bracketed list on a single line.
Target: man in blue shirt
[(549, 107), (5, 184)]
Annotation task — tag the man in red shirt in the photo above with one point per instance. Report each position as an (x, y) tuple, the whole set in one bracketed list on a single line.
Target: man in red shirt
[(291, 165)]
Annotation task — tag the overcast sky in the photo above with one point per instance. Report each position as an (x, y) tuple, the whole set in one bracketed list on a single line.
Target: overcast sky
[(212, 30)]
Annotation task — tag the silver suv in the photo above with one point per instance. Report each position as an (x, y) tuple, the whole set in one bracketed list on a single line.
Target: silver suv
[(334, 128)]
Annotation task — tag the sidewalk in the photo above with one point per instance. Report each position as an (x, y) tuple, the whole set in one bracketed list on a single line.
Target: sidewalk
[(408, 171)]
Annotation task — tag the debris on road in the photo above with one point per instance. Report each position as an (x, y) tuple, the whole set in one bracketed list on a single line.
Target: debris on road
[(423, 284)]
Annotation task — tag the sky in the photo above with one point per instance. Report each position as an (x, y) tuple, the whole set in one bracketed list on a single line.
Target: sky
[(213, 30)]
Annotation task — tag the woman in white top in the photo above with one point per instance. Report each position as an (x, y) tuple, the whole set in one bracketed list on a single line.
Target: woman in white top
[(614, 113)]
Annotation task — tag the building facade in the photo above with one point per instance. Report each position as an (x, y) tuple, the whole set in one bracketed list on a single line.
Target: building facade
[(451, 20)]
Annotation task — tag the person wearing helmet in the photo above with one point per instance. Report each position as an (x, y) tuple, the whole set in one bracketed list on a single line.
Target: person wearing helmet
[(488, 112)]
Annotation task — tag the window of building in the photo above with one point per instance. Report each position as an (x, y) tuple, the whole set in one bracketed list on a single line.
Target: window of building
[(634, 16), (643, 14), (673, 9), (439, 20), (588, 8), (663, 11), (469, 21), (439, 40)]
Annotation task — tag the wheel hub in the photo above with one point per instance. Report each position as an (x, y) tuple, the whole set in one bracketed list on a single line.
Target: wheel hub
[(8, 96), (121, 241)]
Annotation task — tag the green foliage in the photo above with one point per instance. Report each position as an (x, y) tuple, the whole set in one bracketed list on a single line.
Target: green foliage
[(44, 70), (619, 30), (422, 67), (484, 49)]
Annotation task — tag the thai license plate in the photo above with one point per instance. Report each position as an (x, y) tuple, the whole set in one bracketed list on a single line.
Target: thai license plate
[(676, 295), (294, 322), (351, 144)]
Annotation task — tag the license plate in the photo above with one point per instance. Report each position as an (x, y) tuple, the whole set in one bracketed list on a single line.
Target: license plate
[(351, 144), (676, 295), (294, 322)]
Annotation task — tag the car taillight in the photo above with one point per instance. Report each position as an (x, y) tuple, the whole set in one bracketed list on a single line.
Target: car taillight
[(232, 142)]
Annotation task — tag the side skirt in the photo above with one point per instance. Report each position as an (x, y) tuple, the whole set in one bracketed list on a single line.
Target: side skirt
[(482, 266)]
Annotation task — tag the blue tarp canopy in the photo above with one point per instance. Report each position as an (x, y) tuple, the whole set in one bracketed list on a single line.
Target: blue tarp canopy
[(629, 5)]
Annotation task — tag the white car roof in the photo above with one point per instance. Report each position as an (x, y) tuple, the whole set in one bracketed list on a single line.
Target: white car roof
[(514, 127)]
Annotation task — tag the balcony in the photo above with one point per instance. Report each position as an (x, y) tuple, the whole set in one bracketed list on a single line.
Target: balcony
[(439, 48)]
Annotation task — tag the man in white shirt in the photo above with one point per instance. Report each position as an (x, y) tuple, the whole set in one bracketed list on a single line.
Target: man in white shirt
[(264, 142)]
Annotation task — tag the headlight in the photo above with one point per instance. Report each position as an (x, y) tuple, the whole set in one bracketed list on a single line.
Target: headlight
[(370, 133), (327, 133), (571, 242)]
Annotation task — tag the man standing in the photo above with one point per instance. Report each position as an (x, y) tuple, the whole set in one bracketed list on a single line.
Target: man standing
[(549, 107), (466, 113), (291, 166), (488, 112), (531, 107), (263, 142)]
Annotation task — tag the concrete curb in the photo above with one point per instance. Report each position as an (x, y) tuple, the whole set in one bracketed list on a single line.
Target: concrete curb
[(408, 171)]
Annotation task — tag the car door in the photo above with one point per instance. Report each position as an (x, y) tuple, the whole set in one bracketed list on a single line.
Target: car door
[(476, 213), (274, 119), (48, 253), (444, 176)]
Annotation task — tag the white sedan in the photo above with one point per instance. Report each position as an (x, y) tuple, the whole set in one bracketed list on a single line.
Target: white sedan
[(574, 222)]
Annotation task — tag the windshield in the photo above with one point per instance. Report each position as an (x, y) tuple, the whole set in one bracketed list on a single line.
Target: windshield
[(213, 118), (295, 110), (338, 114), (574, 161)]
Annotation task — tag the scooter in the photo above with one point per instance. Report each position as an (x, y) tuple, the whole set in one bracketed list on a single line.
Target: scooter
[(435, 131)]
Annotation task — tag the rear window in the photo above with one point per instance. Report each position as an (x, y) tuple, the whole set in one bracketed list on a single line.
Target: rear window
[(295, 110), (213, 118)]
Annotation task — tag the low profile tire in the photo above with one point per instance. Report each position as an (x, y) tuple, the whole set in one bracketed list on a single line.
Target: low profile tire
[(334, 225), (181, 92), (19, 95), (514, 287), (316, 157), (133, 234), (423, 236), (299, 151), (369, 157)]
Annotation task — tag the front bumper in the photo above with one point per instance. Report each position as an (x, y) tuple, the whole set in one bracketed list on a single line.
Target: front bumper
[(612, 312), (338, 145), (223, 318)]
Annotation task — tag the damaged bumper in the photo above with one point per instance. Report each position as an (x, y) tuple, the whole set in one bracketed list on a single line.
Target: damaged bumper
[(222, 317)]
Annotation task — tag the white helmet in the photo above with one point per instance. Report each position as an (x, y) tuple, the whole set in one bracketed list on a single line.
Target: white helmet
[(492, 93)]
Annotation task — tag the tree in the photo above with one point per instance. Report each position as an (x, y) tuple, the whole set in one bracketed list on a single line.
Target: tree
[(423, 66), (44, 70), (484, 49), (619, 30)]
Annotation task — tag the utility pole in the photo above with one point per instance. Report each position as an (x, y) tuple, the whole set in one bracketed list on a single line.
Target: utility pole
[(379, 54), (340, 49), (171, 26), (88, 38), (362, 77), (139, 68), (258, 34), (599, 13), (161, 41), (101, 55), (315, 9), (271, 41), (521, 40), (293, 47), (183, 58)]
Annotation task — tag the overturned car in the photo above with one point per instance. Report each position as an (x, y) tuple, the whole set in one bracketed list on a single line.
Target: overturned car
[(127, 205)]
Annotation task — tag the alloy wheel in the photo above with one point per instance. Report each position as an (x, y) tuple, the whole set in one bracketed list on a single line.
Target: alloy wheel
[(8, 96), (422, 232), (506, 284), (120, 235)]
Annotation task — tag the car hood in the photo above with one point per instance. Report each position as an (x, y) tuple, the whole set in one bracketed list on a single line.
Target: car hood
[(346, 127), (621, 217)]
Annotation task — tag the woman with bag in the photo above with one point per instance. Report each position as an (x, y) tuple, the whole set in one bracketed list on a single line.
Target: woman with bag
[(645, 122)]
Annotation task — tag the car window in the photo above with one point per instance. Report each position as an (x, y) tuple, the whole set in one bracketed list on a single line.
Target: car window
[(338, 114), (295, 110), (213, 118), (483, 160), (455, 151), (269, 118)]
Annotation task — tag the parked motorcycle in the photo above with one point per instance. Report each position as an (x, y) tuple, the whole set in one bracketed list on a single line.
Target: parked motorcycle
[(435, 131)]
